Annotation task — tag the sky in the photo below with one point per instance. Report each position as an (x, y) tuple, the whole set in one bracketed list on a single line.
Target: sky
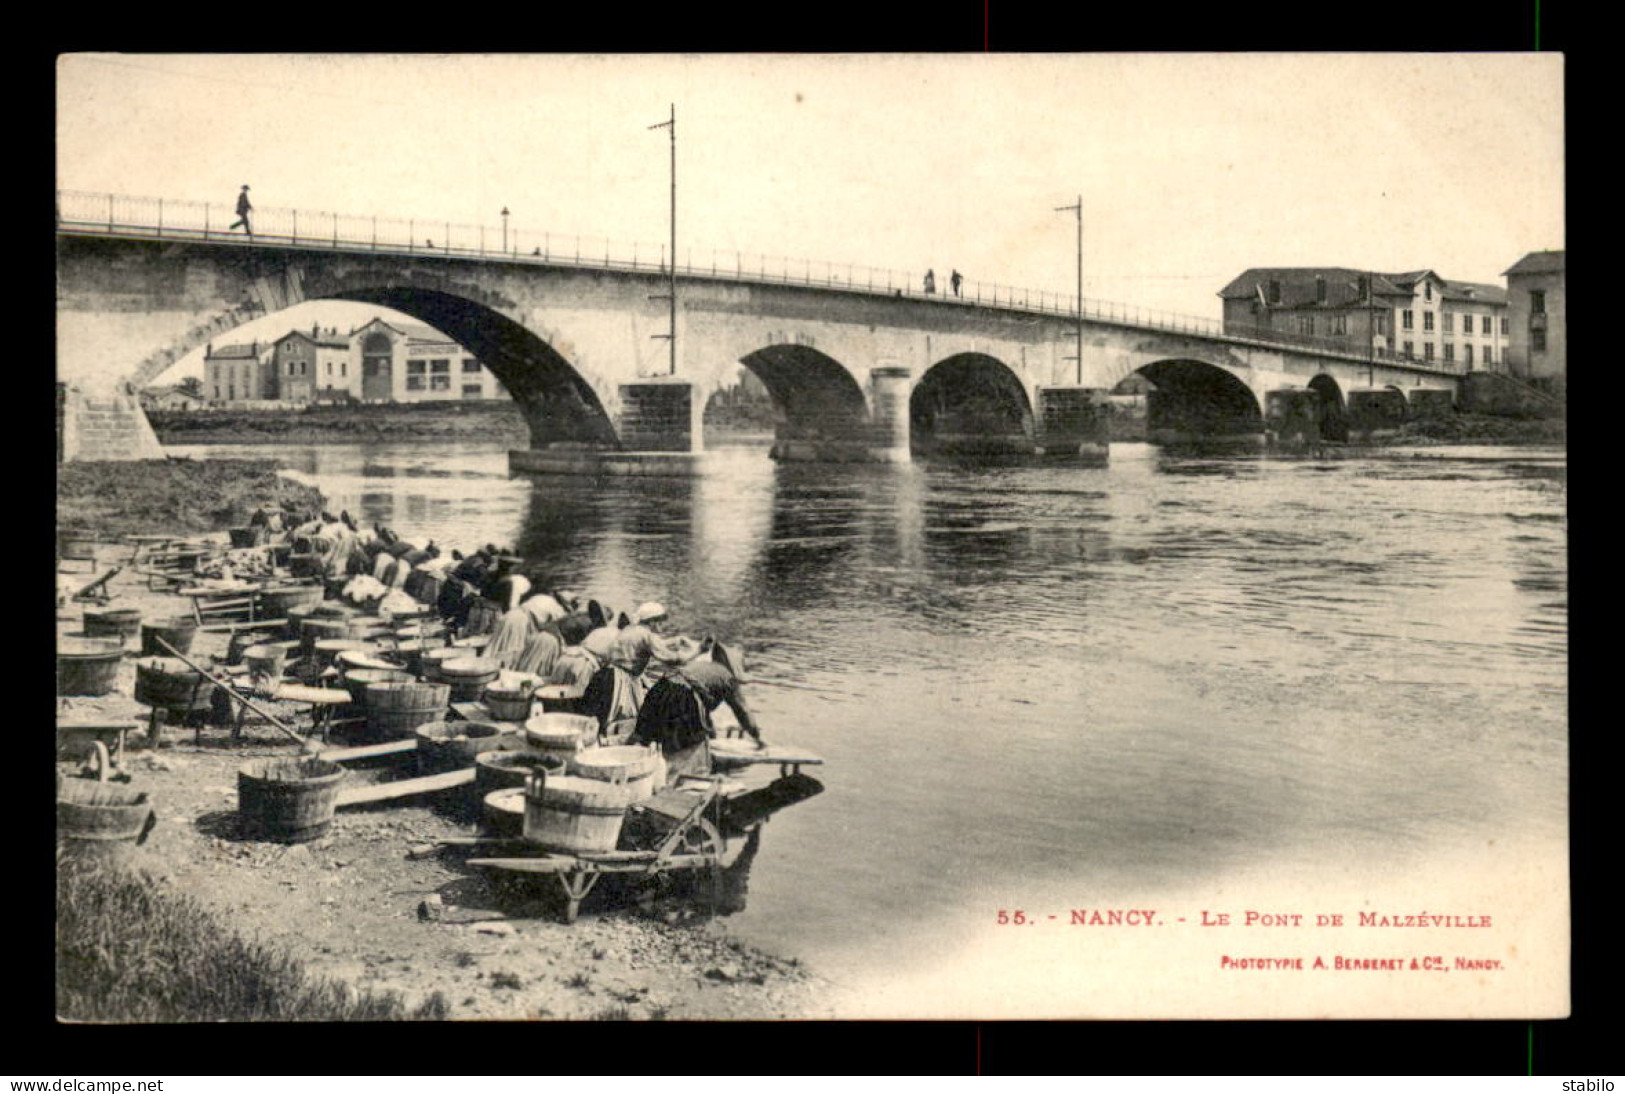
[(1190, 167)]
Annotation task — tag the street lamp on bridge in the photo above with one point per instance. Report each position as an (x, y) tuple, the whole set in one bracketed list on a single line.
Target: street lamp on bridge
[(1078, 209), (504, 229), (671, 258)]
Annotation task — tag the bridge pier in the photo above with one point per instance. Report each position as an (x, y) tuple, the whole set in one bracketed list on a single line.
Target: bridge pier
[(1292, 417), (888, 402), (1376, 412), (1074, 421)]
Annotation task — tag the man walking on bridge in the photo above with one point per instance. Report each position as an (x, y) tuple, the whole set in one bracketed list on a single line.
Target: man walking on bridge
[(243, 209)]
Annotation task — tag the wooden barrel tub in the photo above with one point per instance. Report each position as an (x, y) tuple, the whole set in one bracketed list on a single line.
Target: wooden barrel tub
[(288, 801), (396, 708), (88, 666)]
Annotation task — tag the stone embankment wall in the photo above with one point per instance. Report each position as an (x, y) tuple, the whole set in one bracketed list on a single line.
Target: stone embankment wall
[(103, 425), (1494, 393)]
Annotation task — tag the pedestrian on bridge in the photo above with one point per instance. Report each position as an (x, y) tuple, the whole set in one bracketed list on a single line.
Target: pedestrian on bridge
[(243, 209), (956, 281), (930, 281)]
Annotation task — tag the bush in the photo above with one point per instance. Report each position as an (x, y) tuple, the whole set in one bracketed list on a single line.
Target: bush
[(127, 951)]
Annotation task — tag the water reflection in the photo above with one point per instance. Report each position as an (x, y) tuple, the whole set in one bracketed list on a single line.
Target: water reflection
[(1135, 679)]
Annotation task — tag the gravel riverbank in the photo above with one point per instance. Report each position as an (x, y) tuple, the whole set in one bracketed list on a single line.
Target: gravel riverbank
[(354, 907)]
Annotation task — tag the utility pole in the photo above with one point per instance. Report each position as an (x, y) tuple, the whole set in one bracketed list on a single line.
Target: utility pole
[(1371, 329), (671, 255), (1078, 209)]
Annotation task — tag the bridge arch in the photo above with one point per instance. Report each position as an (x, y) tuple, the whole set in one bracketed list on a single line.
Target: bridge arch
[(559, 405), (815, 398), (1333, 417), (1197, 400), (970, 402)]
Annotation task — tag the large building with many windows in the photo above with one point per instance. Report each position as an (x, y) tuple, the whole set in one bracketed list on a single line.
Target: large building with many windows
[(378, 362), (1418, 315), (410, 363), (1539, 319)]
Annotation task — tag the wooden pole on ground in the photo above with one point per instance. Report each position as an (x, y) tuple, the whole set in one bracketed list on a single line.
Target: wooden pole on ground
[(237, 695)]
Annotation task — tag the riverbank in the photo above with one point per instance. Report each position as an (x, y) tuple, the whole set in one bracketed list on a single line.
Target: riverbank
[(175, 496), (487, 421), (358, 908)]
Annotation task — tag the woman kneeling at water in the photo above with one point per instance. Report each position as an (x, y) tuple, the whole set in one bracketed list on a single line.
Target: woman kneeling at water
[(676, 714)]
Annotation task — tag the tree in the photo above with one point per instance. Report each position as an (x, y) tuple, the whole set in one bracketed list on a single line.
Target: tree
[(191, 385)]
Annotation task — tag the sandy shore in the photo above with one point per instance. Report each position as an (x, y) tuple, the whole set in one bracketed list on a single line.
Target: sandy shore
[(354, 906)]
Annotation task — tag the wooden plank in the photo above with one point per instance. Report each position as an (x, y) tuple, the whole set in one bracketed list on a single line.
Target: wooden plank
[(405, 788), (733, 751), (301, 693), (231, 626), (367, 752), (545, 864)]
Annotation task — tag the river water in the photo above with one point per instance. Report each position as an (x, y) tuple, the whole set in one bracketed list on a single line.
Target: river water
[(1171, 683)]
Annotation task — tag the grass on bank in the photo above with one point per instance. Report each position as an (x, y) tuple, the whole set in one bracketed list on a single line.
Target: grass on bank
[(129, 951), (173, 495)]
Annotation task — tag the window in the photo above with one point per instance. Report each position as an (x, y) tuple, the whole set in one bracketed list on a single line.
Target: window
[(1450, 351), (440, 366), (1337, 324), (217, 391), (416, 368), (1427, 351), (231, 391), (1407, 319), (1306, 324), (440, 383), (1427, 290), (1427, 320), (1537, 340), (1449, 322), (1489, 356), (1537, 301), (470, 365), (344, 368), (1506, 325), (330, 368), (1410, 349), (1379, 323), (1467, 354), (1483, 324), (414, 383), (472, 391), (1320, 290), (1273, 293)]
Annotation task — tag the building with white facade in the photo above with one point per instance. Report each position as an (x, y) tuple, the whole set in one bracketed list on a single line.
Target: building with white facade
[(411, 363)]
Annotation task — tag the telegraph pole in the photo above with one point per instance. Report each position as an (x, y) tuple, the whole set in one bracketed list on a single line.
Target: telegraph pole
[(1371, 329), (1078, 209), (671, 259)]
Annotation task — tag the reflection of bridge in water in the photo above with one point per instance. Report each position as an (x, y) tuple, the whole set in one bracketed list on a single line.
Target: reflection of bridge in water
[(859, 363)]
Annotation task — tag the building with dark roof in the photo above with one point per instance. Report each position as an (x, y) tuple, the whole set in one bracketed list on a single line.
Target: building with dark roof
[(305, 361), (1415, 315), (1538, 312), (238, 373)]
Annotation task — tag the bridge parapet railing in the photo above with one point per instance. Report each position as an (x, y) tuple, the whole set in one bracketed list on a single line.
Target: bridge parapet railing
[(89, 212)]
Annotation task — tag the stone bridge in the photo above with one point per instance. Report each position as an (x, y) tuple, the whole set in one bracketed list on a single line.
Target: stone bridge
[(855, 371)]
